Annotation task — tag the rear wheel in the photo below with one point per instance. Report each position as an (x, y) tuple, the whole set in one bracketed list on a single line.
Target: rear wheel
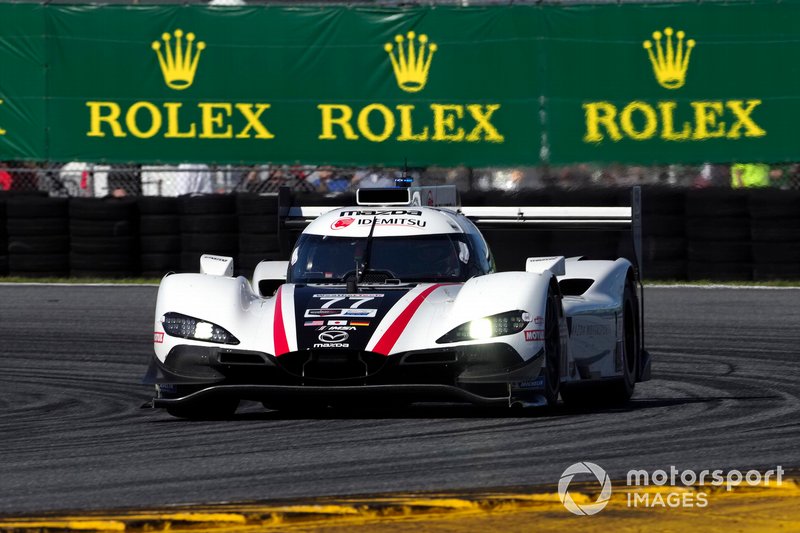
[(618, 390), (552, 348)]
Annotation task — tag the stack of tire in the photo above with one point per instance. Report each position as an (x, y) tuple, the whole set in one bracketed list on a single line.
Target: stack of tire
[(159, 235), (664, 245), (38, 236), (775, 232), (104, 237), (718, 231), (258, 231), (209, 225), (590, 243)]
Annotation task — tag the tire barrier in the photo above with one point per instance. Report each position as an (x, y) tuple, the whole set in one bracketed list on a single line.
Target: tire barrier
[(38, 236), (159, 235), (258, 231), (713, 234), (208, 225), (104, 237), (775, 234)]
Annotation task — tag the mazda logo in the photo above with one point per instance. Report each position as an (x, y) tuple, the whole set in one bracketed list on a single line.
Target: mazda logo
[(333, 336)]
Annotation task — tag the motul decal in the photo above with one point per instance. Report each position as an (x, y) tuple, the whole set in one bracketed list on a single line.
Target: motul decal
[(158, 337), (534, 335)]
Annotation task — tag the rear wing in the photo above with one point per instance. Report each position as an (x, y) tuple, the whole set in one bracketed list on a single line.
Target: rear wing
[(545, 217)]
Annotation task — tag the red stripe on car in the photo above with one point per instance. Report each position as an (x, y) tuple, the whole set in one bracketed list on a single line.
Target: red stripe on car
[(387, 342), (278, 328)]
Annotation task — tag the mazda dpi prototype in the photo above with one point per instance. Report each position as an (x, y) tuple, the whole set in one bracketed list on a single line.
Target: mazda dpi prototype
[(389, 302)]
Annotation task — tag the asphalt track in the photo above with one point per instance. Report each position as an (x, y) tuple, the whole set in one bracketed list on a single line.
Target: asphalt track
[(725, 394)]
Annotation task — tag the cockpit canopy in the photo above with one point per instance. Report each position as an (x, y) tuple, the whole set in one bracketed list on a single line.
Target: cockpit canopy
[(453, 257)]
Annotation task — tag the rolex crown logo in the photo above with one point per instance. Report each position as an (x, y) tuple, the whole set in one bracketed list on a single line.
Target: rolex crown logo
[(178, 65), (670, 61), (412, 63)]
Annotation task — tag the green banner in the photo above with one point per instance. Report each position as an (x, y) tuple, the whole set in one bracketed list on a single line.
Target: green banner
[(479, 86)]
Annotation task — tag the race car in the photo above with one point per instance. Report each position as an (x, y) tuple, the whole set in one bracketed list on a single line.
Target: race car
[(389, 302)]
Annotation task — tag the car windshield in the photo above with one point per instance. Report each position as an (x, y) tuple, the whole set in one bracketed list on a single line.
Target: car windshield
[(325, 259)]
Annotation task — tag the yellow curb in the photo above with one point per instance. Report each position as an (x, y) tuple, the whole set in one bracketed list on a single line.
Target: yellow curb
[(760, 508)]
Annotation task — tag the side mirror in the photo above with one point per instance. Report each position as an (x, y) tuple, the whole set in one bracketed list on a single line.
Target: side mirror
[(216, 265), (268, 276), (538, 265)]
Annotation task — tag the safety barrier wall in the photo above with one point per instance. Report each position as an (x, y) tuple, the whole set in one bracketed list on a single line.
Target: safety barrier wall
[(709, 234), (500, 85)]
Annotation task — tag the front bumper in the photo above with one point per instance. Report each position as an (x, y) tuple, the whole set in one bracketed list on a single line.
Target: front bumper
[(480, 374)]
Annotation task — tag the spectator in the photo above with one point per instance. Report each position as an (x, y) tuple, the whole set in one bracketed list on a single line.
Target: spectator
[(124, 180), (193, 178), (749, 175), (5, 180)]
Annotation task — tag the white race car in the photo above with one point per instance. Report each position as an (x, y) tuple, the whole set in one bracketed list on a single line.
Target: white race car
[(389, 302)]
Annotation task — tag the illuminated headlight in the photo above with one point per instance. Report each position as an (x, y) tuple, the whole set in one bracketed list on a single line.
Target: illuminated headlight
[(178, 325), (488, 327)]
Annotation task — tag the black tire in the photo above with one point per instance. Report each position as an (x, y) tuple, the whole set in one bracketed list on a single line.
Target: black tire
[(162, 244), (79, 273), (713, 203), (211, 204), (620, 390), (209, 224), (104, 245), (663, 226), (776, 272), (160, 262), (210, 243), (552, 347), (36, 207), (159, 225), (673, 270), (770, 252), (727, 271), (262, 224), (719, 252), (103, 209), (38, 263), (38, 245), (660, 248), (247, 261), (255, 204), (718, 229), (158, 205), (102, 228), (773, 230), (104, 262), (37, 226), (613, 391), (250, 243)]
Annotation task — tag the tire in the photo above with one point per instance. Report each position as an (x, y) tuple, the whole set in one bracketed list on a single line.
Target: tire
[(102, 228), (663, 225), (160, 262), (255, 204), (158, 205), (261, 224), (37, 226), (719, 252), (209, 224), (104, 245), (718, 229), (104, 262), (159, 225), (618, 390), (250, 243), (212, 204), (552, 347), (210, 243), (18, 264), (103, 209), (727, 271), (38, 245), (36, 207), (161, 244)]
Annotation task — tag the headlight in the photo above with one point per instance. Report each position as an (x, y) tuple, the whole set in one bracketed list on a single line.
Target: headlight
[(178, 325), (485, 328)]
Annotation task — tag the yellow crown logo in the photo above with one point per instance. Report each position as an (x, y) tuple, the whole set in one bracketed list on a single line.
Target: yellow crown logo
[(669, 62), (411, 66), (178, 66)]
